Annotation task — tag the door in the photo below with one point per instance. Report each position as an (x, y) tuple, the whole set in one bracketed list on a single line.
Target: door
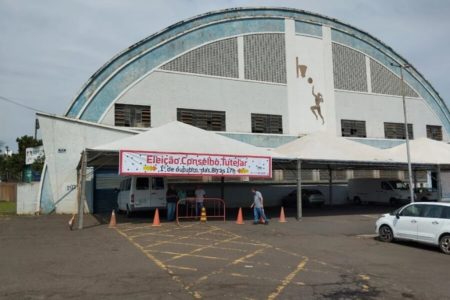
[(142, 192), (107, 182), (406, 225), (158, 192), (431, 223)]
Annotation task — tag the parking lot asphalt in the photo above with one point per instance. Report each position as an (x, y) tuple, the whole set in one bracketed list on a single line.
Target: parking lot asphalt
[(329, 254)]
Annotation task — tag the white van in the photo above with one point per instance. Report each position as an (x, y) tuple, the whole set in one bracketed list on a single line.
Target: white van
[(139, 193), (379, 190)]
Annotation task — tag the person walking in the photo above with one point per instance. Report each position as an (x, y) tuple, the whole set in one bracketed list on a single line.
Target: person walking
[(199, 197), (258, 207), (171, 199)]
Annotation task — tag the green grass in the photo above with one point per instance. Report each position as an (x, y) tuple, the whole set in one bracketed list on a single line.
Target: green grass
[(7, 208)]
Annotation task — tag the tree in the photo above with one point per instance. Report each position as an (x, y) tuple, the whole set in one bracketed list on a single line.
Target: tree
[(11, 167)]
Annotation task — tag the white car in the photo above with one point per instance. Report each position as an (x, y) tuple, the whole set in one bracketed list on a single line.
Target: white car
[(423, 222)]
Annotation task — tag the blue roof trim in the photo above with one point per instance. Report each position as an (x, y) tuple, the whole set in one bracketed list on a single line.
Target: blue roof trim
[(138, 68), (308, 28), (411, 76), (101, 79)]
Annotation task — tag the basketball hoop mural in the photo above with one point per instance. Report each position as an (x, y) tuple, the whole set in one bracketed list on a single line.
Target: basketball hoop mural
[(318, 98)]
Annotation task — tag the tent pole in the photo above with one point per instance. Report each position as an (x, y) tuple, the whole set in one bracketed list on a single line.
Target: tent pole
[(439, 185), (415, 178), (330, 185), (299, 190), (222, 188), (82, 190)]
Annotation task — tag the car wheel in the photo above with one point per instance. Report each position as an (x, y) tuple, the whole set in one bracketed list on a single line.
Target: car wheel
[(385, 234), (393, 201), (357, 200), (444, 244)]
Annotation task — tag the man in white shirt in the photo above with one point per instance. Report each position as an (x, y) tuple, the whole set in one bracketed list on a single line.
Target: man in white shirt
[(199, 197), (258, 207)]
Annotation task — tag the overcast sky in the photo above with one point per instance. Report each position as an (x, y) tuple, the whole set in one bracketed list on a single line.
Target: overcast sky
[(50, 48)]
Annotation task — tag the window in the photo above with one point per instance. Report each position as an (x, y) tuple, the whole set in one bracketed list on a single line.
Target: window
[(397, 131), (385, 186), (125, 185), (412, 211), (432, 211), (353, 128), (131, 115), (262, 123), (446, 213), (142, 183), (157, 183), (204, 119), (434, 132)]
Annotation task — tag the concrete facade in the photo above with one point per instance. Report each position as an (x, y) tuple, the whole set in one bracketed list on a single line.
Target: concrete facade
[(242, 61)]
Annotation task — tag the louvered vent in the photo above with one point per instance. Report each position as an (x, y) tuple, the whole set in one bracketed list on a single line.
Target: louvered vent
[(217, 59)]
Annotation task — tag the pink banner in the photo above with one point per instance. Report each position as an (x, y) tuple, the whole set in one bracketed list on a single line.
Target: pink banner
[(193, 164)]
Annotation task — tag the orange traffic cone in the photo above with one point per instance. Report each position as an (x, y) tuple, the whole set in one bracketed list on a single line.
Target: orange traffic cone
[(282, 217), (156, 219), (203, 217), (112, 221), (71, 222), (240, 220)]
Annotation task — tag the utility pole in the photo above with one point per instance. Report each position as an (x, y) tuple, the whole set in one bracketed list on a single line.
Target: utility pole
[(411, 189)]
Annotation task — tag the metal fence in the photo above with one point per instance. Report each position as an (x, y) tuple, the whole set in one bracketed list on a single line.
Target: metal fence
[(8, 191), (190, 209)]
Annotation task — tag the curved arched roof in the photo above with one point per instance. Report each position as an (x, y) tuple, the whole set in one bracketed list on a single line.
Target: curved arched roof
[(140, 59)]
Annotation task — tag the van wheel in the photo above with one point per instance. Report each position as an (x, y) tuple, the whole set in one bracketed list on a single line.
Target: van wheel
[(444, 244), (385, 234), (357, 200), (129, 212)]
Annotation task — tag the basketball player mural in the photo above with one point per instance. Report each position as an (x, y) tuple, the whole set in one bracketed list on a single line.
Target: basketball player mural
[(318, 98)]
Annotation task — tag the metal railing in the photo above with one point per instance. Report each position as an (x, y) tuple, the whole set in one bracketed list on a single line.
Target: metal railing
[(189, 208)]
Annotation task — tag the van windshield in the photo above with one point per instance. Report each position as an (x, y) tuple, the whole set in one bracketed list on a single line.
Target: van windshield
[(398, 185)]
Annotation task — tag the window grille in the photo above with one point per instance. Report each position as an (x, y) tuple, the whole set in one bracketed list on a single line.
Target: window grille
[(397, 131), (216, 59), (363, 174), (389, 174), (434, 132), (262, 123), (353, 128), (265, 57), (132, 115), (336, 175), (204, 119), (386, 82), (349, 69)]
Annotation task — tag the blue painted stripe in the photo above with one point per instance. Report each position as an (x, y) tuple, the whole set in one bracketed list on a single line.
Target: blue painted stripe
[(134, 70), (99, 78), (420, 86), (308, 28)]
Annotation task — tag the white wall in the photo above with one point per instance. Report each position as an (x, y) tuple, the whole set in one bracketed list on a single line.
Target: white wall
[(27, 197), (167, 91), (377, 109), (59, 134)]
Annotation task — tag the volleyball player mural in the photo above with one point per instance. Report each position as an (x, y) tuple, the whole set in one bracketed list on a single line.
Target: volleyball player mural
[(318, 98)]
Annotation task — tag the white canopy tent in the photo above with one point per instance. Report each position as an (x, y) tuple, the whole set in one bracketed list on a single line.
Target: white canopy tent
[(172, 137), (326, 147), (180, 137), (423, 151)]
